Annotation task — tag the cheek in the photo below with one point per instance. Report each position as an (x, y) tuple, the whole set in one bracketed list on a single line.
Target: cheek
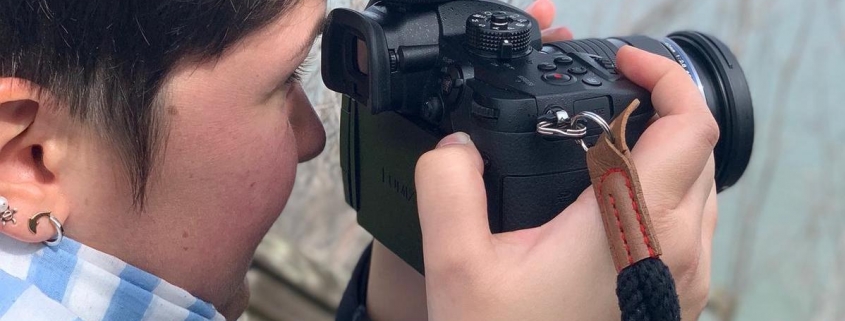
[(263, 173), (238, 169)]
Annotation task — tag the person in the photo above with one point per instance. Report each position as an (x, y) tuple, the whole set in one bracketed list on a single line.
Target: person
[(147, 146)]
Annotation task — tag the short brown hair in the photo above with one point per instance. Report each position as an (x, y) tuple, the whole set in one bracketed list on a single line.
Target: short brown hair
[(108, 59)]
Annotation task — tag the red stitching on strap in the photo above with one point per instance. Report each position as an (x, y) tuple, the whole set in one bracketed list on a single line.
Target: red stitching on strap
[(631, 194), (621, 230)]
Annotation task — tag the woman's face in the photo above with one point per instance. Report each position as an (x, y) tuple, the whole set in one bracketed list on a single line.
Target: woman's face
[(238, 126)]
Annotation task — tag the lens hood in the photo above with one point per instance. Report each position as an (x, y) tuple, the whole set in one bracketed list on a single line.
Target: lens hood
[(730, 102)]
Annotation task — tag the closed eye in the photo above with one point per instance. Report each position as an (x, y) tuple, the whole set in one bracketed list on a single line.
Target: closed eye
[(301, 70)]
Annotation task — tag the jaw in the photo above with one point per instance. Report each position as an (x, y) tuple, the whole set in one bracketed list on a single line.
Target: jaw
[(237, 303)]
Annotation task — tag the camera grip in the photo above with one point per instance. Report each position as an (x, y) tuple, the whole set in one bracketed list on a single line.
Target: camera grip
[(526, 188)]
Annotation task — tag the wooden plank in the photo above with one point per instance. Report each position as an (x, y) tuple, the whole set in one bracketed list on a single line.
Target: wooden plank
[(274, 300)]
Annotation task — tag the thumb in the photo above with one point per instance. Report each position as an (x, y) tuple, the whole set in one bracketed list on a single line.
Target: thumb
[(452, 202), (543, 11)]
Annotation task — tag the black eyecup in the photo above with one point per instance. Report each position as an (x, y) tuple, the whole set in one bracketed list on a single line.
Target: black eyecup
[(339, 70), (733, 105)]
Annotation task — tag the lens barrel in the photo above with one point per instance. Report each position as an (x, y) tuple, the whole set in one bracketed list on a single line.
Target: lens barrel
[(719, 77), (729, 99)]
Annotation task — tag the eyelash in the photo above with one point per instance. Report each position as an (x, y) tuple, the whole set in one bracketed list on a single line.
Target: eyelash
[(300, 71)]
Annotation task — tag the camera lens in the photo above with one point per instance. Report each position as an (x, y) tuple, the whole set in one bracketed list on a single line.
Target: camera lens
[(718, 76)]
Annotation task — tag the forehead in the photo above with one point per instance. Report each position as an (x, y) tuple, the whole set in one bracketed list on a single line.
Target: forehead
[(296, 26), (257, 63)]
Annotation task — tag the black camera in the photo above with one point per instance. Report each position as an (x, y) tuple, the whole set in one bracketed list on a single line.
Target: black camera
[(413, 71)]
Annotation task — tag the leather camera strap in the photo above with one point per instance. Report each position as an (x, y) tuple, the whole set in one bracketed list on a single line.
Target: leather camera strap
[(645, 287)]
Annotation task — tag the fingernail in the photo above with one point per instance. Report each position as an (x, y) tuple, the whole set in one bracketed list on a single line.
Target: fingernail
[(458, 138)]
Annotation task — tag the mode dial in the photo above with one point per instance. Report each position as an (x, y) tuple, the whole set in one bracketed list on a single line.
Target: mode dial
[(499, 34)]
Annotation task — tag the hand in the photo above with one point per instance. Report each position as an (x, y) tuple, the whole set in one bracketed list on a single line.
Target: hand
[(563, 269), (398, 293), (544, 12)]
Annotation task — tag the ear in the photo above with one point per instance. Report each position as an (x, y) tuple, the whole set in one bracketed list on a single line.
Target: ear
[(32, 148)]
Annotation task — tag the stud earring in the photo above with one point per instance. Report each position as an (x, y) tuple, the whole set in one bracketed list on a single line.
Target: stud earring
[(7, 214)]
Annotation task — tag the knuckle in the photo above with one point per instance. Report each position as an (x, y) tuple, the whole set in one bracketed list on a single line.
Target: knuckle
[(711, 217), (709, 130), (692, 279), (687, 265), (702, 127), (697, 295)]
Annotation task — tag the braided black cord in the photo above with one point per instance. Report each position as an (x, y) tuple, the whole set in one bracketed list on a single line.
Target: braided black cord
[(646, 292)]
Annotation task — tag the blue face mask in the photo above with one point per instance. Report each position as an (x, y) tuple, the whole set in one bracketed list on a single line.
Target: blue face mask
[(71, 281)]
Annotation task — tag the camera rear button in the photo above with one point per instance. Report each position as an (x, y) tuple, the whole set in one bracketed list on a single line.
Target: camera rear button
[(563, 60), (546, 66), (555, 78), (592, 81), (578, 70)]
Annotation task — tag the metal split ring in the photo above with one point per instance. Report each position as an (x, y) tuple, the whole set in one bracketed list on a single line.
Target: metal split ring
[(595, 118), (549, 129), (573, 127)]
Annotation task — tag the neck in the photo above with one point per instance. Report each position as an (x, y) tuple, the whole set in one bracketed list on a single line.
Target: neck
[(208, 263), (67, 272)]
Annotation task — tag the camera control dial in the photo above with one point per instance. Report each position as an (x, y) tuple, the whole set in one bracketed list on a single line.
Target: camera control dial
[(499, 34)]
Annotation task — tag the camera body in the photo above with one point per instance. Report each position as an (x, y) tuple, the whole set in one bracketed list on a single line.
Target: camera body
[(412, 73)]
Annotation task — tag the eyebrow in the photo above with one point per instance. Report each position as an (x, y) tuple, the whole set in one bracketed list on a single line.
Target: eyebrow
[(318, 30)]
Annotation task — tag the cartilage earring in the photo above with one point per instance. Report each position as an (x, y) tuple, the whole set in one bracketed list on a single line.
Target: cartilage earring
[(60, 232), (7, 214)]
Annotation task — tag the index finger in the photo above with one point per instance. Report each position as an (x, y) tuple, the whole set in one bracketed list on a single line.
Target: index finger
[(672, 152), (543, 11)]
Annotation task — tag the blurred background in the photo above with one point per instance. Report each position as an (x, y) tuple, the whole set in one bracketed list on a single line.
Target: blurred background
[(780, 244)]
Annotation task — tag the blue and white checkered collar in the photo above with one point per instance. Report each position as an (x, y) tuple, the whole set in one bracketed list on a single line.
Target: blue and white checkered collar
[(74, 282)]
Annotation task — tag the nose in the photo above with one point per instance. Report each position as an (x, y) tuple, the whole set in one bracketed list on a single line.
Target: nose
[(307, 127)]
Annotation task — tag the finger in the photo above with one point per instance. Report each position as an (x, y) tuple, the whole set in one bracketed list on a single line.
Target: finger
[(452, 201), (652, 120), (681, 230), (692, 203), (706, 182), (673, 151), (710, 218), (556, 34), (543, 11), (672, 89), (701, 280)]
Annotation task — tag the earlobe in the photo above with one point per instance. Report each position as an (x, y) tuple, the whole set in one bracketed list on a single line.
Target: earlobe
[(41, 227), (27, 186)]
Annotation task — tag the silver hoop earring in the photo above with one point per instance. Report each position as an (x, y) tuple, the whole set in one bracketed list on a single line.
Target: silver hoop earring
[(60, 232), (7, 214)]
